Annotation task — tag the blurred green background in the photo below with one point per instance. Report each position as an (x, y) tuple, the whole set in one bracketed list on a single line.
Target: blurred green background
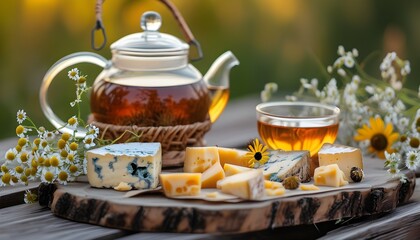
[(275, 40)]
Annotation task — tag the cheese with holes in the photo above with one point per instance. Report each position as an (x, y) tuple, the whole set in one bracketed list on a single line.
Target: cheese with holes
[(181, 184), (344, 156), (329, 175), (232, 156), (246, 185), (210, 177), (231, 169), (283, 164), (136, 164), (199, 159)]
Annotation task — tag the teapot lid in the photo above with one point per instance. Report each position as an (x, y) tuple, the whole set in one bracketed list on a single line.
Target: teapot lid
[(150, 42)]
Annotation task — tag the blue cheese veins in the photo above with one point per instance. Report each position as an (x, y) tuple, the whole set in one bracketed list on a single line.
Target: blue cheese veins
[(283, 164), (136, 164)]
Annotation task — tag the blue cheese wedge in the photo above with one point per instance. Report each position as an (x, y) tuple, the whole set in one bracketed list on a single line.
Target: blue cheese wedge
[(283, 164), (136, 164)]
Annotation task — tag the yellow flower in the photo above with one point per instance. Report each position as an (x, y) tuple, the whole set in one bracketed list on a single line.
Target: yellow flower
[(380, 137), (257, 154)]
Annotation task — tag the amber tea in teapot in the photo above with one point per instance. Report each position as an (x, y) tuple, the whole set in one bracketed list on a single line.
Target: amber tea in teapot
[(149, 106)]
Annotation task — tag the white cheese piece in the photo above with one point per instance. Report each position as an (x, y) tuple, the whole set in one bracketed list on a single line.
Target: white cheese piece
[(344, 156), (246, 185), (137, 164), (329, 175), (283, 164)]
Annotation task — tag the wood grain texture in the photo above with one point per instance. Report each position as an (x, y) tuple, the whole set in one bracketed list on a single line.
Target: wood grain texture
[(31, 221), (153, 212)]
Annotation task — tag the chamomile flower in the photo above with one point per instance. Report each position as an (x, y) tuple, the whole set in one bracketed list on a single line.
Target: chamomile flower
[(11, 154), (30, 197), (6, 179), (73, 74), (63, 177), (413, 160), (21, 131), (20, 116), (48, 176), (92, 131), (89, 141), (72, 122)]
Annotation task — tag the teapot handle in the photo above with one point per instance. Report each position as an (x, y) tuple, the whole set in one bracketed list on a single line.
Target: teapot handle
[(60, 65)]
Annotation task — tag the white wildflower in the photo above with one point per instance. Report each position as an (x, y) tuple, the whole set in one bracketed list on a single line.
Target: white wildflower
[(341, 72), (341, 50), (73, 74), (20, 116), (265, 96), (89, 141), (271, 87), (348, 61), (355, 52), (11, 155), (329, 69), (72, 122), (413, 160)]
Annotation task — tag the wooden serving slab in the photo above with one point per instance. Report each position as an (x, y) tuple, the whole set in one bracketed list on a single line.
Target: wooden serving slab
[(154, 212)]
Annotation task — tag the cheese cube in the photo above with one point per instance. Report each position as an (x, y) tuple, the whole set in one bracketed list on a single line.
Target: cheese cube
[(246, 185), (283, 164), (137, 164), (232, 156), (329, 175), (344, 156), (181, 184), (234, 169), (210, 177), (199, 159)]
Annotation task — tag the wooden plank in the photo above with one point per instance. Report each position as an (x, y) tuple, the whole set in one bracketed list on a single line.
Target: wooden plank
[(31, 221), (403, 223), (157, 213)]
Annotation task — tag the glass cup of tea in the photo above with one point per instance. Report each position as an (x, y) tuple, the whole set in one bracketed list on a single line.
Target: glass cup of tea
[(297, 125)]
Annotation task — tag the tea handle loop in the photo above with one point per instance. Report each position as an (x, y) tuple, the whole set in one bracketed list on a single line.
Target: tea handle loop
[(60, 65)]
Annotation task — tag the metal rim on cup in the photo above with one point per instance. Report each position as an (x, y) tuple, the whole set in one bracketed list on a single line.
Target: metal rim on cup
[(327, 118)]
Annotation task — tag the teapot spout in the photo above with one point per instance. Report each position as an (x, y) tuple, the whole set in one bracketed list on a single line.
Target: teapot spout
[(217, 81)]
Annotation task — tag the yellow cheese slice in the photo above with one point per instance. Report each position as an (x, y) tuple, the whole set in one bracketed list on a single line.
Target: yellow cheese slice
[(210, 177), (329, 175), (181, 184), (308, 187), (232, 156), (275, 192), (199, 159), (272, 184), (231, 169), (246, 185), (344, 156)]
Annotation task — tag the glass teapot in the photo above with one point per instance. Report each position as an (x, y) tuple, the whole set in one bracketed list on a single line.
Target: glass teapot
[(148, 82)]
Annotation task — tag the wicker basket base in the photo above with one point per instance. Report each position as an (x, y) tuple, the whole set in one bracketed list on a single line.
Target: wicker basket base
[(174, 139)]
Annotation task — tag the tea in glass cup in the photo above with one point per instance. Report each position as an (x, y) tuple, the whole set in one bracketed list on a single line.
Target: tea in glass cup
[(297, 125)]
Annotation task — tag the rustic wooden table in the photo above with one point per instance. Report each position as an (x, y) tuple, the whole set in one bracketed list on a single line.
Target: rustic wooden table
[(234, 128)]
